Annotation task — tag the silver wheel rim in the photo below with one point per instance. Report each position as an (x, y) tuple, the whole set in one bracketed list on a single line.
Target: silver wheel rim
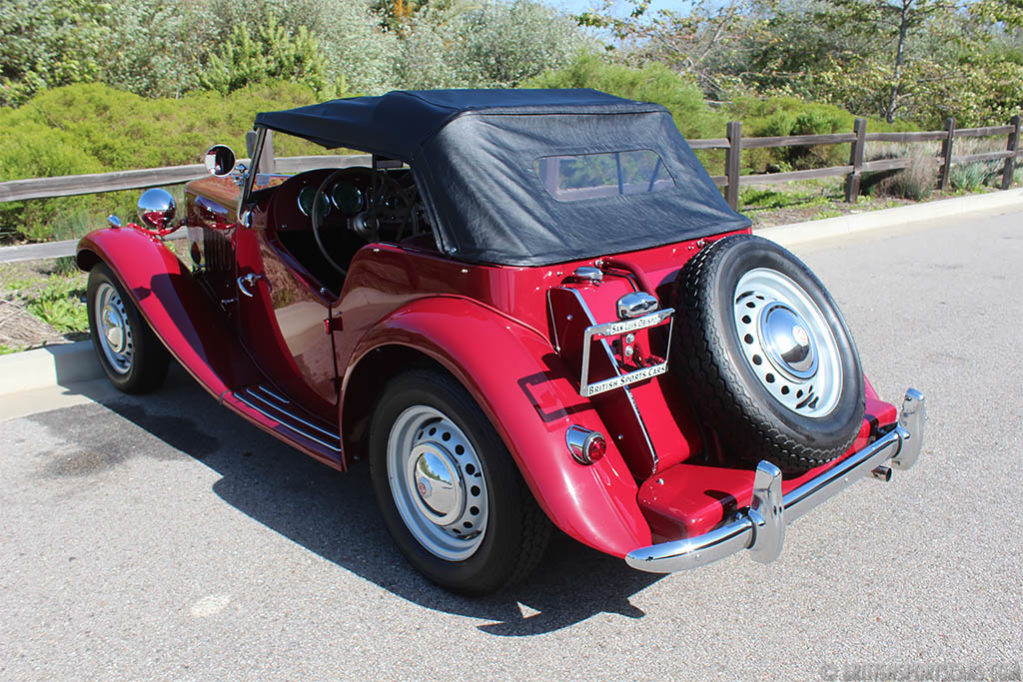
[(113, 331), (436, 480), (787, 342)]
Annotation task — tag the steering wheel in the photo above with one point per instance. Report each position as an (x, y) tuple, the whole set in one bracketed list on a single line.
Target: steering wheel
[(378, 208)]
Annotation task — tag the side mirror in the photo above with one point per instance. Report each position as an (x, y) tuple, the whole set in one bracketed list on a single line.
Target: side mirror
[(156, 209), (220, 160)]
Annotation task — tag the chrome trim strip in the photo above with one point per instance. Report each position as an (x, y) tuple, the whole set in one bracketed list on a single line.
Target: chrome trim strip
[(554, 322), (290, 415), (291, 427), (654, 459), (276, 396), (761, 527)]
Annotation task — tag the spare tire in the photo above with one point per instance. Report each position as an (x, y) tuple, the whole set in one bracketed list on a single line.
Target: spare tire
[(765, 355)]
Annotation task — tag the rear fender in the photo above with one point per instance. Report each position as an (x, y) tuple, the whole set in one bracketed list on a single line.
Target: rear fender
[(183, 317), (519, 381)]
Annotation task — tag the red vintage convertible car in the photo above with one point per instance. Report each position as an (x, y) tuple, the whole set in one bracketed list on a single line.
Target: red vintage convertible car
[(532, 308)]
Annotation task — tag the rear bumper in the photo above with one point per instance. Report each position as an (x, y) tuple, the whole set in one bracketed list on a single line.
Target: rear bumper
[(761, 527)]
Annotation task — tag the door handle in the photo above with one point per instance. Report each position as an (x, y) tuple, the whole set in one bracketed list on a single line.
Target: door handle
[(247, 281)]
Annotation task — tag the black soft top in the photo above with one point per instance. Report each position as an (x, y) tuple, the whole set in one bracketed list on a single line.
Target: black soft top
[(477, 156)]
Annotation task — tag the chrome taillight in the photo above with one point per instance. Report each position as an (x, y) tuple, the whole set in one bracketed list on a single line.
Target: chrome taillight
[(586, 446)]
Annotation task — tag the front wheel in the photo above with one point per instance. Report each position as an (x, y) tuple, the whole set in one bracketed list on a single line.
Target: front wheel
[(447, 487), (133, 358)]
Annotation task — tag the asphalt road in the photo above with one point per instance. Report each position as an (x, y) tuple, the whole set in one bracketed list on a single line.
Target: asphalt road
[(165, 538)]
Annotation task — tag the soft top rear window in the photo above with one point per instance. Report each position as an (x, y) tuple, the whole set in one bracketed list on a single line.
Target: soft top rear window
[(576, 177)]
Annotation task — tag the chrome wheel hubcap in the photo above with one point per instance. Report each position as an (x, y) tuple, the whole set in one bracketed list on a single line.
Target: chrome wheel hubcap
[(437, 483), (115, 338), (787, 342)]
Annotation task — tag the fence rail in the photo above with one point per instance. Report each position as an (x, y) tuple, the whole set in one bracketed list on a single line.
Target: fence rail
[(96, 183), (733, 144)]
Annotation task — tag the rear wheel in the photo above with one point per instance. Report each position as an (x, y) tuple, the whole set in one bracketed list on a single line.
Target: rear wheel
[(131, 356), (448, 489), (765, 353)]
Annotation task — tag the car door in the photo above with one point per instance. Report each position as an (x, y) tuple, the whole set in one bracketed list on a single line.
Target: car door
[(283, 323)]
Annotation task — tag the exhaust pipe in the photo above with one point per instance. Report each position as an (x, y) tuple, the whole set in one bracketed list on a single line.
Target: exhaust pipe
[(882, 473)]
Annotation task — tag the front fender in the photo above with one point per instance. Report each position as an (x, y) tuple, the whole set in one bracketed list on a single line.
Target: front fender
[(183, 317), (519, 381)]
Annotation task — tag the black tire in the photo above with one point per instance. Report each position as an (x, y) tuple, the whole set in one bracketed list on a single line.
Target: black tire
[(736, 392), (516, 530), (142, 366)]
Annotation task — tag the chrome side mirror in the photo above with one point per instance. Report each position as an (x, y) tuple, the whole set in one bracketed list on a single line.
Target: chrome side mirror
[(220, 160), (156, 209)]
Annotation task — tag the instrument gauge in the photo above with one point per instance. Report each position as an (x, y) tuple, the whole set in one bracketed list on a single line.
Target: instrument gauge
[(306, 196), (349, 199)]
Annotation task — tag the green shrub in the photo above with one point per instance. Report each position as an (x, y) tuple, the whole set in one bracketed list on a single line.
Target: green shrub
[(968, 177), (783, 116), (652, 83), (483, 44), (60, 305), (770, 198), (94, 129)]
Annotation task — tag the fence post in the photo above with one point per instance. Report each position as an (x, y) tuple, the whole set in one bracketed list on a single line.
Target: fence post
[(852, 181), (266, 161), (946, 152), (250, 143), (1012, 146), (734, 134)]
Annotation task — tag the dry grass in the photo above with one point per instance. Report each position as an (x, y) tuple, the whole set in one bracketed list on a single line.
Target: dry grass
[(916, 181)]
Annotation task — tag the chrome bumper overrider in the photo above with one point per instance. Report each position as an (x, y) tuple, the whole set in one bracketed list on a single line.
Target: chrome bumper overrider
[(761, 527)]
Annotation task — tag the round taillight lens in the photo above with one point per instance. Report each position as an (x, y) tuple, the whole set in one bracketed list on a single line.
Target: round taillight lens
[(595, 447)]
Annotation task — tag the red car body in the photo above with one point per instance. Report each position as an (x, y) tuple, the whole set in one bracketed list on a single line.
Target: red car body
[(256, 329)]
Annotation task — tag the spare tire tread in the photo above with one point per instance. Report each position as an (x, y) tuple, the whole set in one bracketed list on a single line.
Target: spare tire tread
[(714, 384)]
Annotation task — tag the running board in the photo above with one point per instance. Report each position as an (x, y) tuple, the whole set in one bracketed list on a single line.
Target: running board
[(284, 418)]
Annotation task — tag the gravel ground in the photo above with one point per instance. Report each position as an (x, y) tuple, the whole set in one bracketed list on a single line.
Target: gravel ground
[(165, 538)]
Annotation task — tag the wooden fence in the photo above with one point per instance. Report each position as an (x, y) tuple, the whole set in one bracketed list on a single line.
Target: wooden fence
[(731, 181), (734, 143)]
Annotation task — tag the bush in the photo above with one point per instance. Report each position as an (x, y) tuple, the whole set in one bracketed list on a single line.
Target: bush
[(969, 177), (94, 129), (784, 116), (652, 83), (47, 43), (916, 181), (493, 44)]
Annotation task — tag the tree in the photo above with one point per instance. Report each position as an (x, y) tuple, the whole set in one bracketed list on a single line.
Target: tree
[(695, 40), (892, 23)]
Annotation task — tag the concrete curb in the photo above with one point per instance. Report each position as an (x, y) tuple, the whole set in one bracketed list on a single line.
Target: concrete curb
[(58, 365), (798, 233), (63, 364)]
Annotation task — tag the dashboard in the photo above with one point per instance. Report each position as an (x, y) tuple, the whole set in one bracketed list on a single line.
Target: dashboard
[(373, 204)]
